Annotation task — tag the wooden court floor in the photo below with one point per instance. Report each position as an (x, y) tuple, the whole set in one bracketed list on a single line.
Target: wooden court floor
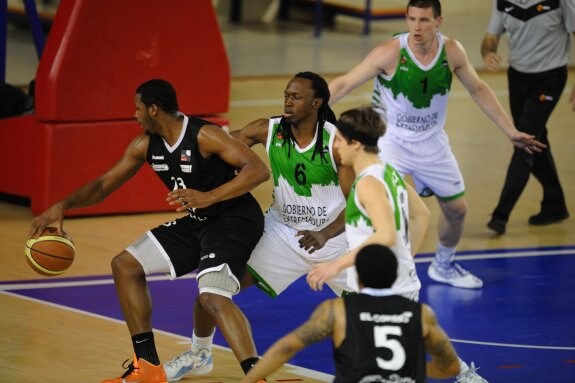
[(45, 342)]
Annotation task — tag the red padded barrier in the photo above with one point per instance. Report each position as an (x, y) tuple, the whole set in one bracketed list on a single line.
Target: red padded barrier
[(80, 152), (98, 52), (18, 153), (45, 162)]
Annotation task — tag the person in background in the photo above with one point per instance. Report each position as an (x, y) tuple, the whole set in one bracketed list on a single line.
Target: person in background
[(413, 74), (539, 47)]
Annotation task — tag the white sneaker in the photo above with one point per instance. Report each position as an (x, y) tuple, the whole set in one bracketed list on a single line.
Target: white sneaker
[(453, 274), (189, 363), (470, 376)]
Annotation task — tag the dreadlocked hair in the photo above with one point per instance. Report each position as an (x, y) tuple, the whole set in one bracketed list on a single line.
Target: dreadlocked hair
[(324, 113)]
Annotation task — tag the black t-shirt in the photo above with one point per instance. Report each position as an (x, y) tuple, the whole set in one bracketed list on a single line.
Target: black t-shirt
[(183, 167), (383, 339)]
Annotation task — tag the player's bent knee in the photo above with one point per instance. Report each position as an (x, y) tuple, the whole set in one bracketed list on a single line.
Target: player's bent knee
[(125, 263), (219, 282), (455, 210)]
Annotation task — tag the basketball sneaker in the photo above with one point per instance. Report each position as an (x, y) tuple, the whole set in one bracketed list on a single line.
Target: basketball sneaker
[(453, 274), (140, 371), (470, 375), (190, 362)]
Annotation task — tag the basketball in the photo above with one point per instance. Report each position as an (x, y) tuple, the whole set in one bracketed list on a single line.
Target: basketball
[(50, 254)]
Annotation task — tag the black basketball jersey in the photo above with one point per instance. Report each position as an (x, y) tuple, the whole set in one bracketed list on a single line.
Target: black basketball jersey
[(183, 167), (383, 341)]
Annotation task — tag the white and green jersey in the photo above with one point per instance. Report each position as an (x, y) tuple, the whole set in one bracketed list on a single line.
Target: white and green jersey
[(413, 101), (358, 226), (307, 194)]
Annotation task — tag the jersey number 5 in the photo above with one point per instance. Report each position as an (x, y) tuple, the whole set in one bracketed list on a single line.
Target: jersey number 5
[(381, 337)]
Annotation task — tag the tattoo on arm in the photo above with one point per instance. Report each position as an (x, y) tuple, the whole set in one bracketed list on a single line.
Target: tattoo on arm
[(443, 354), (319, 326)]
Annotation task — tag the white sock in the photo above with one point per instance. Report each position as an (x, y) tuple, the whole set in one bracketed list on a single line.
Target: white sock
[(202, 342), (445, 255), (463, 367)]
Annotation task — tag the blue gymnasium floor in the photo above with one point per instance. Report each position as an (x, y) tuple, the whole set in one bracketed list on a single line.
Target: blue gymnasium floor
[(518, 328)]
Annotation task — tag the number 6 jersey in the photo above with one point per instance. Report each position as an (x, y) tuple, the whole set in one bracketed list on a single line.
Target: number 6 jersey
[(307, 194)]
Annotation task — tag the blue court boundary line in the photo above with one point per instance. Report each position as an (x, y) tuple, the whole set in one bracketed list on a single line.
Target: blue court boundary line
[(508, 250), (420, 258), (513, 345)]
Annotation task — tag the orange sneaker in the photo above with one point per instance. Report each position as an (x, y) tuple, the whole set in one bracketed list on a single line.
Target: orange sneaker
[(140, 371)]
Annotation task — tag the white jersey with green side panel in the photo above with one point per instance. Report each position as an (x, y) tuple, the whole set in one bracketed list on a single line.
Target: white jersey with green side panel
[(306, 194), (413, 101), (358, 226)]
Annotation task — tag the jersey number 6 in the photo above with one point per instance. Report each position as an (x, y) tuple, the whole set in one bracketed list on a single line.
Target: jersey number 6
[(299, 174)]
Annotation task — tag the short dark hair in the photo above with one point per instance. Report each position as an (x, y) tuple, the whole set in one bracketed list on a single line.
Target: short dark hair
[(376, 266), (365, 122), (435, 4), (160, 93)]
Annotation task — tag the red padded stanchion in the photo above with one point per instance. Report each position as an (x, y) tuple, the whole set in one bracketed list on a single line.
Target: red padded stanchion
[(96, 54)]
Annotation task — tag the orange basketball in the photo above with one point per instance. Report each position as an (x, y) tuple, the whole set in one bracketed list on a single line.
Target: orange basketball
[(50, 254)]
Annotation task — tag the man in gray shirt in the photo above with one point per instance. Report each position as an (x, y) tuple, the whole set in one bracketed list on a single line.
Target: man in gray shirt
[(539, 32)]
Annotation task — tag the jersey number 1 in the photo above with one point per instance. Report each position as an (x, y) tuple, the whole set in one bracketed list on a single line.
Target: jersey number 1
[(424, 85)]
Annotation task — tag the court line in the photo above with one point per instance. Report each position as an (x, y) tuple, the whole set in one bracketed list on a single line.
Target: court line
[(309, 373), (302, 371), (519, 254), (30, 285), (362, 97), (312, 374), (514, 345)]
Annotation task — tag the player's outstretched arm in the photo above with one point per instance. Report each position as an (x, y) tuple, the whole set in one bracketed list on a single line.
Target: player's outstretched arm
[(255, 132), (96, 190), (319, 326), (324, 272), (485, 98), (373, 196), (379, 60), (444, 362)]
